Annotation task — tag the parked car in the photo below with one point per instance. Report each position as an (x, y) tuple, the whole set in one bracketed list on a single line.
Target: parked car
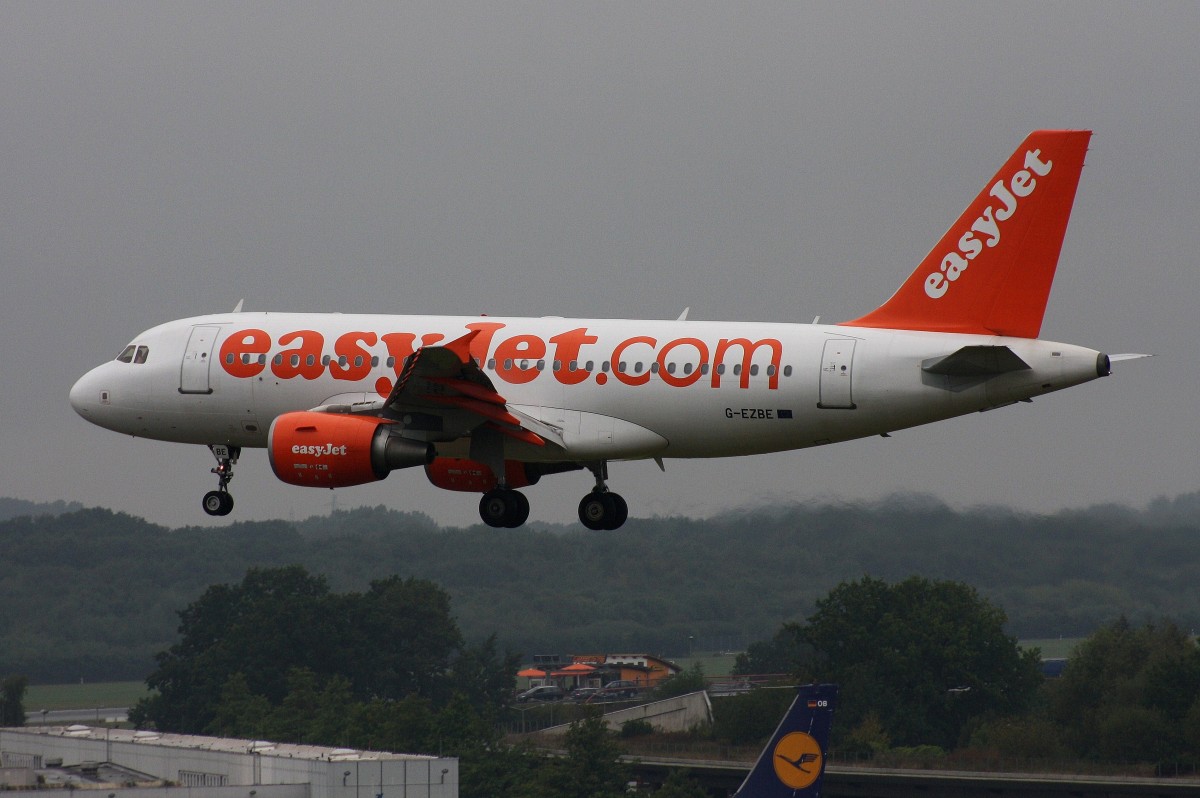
[(546, 692), (618, 690), (581, 695)]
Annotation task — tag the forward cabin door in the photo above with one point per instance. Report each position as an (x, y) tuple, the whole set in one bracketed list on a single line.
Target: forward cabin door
[(837, 375), (197, 357)]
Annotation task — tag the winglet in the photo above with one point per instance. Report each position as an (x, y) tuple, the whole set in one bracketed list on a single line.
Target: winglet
[(990, 274), (793, 763), (462, 346)]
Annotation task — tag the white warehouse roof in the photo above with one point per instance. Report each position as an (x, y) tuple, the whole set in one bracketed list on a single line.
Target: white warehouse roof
[(218, 762)]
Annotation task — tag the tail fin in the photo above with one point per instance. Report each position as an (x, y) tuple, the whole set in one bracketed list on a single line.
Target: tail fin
[(991, 272), (793, 763)]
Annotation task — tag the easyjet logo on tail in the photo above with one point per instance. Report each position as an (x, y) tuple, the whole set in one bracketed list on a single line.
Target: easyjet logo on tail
[(985, 230)]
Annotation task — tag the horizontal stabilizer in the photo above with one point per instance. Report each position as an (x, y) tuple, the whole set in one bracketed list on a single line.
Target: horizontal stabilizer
[(1127, 356), (975, 361)]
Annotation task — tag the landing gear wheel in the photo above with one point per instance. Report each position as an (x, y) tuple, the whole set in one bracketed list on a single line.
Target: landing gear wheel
[(605, 511), (502, 507), (602, 509), (621, 511), (519, 511), (218, 502)]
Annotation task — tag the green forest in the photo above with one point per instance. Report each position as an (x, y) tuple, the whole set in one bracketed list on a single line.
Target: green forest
[(92, 594)]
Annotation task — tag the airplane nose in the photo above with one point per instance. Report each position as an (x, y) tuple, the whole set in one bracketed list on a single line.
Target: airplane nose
[(87, 395)]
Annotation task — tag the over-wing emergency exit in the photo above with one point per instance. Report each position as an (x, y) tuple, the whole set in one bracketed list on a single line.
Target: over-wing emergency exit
[(490, 405)]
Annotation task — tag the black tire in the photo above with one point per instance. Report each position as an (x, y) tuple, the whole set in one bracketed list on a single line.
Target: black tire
[(596, 510), (518, 510), (214, 503), (227, 506), (620, 511), (495, 508)]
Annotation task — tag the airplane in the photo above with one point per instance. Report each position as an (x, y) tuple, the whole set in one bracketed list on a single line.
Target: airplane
[(490, 405), (793, 763)]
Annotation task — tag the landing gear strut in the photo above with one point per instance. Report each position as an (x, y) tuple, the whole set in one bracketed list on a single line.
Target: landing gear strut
[(504, 507), (219, 502), (602, 509)]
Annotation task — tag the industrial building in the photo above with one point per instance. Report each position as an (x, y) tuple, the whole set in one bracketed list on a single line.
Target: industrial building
[(570, 671), (59, 760)]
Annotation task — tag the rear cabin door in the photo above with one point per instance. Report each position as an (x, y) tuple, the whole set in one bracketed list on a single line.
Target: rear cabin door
[(837, 375), (197, 356)]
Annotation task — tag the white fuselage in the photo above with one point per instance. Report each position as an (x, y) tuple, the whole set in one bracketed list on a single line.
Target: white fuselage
[(617, 389)]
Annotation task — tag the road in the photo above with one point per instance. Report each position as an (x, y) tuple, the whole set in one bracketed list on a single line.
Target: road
[(63, 717)]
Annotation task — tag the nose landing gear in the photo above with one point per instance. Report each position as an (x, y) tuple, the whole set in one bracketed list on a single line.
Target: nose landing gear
[(219, 502)]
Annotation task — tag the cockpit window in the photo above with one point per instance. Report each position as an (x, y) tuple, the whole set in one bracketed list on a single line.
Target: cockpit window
[(134, 354)]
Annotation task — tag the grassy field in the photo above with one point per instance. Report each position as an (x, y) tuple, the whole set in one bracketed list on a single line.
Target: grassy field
[(713, 664), (83, 696)]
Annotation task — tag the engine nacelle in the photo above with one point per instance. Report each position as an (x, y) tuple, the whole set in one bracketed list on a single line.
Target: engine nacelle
[(457, 473), (335, 450)]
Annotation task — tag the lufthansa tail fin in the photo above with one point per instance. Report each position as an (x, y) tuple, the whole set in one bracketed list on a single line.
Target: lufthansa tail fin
[(990, 274), (793, 763)]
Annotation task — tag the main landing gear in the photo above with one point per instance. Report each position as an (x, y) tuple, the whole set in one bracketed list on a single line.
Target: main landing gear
[(219, 502), (504, 507), (602, 509)]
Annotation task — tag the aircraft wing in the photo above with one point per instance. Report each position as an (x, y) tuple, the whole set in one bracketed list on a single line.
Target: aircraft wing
[(443, 393)]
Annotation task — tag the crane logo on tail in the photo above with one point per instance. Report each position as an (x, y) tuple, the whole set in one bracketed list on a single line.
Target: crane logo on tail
[(797, 760)]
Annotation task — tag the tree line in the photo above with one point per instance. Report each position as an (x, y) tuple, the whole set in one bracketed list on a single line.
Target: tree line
[(280, 656), (924, 665), (92, 594)]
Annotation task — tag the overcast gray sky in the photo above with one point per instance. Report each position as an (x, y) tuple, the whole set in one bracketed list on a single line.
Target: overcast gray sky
[(768, 161)]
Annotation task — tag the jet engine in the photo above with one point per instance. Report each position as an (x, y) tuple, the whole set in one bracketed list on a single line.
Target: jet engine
[(471, 476), (457, 473), (334, 450)]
